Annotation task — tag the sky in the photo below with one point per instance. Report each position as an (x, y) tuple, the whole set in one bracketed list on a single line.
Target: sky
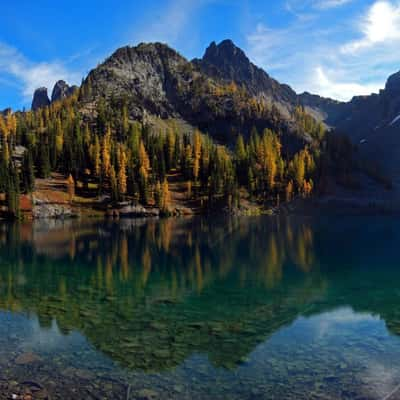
[(335, 48)]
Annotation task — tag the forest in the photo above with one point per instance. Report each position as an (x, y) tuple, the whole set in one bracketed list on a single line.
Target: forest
[(127, 160)]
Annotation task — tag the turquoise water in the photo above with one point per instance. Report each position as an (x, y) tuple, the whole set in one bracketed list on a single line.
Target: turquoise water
[(241, 308)]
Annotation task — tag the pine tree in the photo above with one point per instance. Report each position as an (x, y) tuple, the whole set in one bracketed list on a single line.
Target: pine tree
[(44, 161), (96, 157), (12, 192), (143, 185), (28, 173), (115, 195)]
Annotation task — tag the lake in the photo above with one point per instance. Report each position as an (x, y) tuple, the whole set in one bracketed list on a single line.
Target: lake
[(216, 308)]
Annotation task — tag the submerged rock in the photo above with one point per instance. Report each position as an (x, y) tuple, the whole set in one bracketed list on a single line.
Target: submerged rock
[(27, 358), (147, 394)]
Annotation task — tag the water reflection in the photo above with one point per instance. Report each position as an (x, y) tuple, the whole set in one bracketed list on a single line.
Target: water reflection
[(151, 295), (176, 286)]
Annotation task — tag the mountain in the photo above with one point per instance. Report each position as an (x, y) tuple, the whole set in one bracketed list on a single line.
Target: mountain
[(224, 93), (371, 122), (60, 91), (155, 80), (227, 62)]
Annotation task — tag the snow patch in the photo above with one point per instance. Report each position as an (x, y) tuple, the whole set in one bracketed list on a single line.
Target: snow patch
[(395, 120)]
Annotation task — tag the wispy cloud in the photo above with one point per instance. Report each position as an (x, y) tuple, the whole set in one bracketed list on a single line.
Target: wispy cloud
[(354, 56), (327, 4), (299, 6), (329, 85), (172, 21), (30, 75)]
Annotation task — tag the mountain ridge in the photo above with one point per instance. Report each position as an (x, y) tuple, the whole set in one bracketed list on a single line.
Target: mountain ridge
[(156, 80), (159, 81)]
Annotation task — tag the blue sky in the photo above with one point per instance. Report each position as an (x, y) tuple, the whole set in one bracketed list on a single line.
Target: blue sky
[(336, 48)]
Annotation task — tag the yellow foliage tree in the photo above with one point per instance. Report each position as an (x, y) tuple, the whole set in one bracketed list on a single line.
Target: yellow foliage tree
[(144, 160), (165, 196), (106, 153), (289, 191), (196, 154), (71, 187), (11, 122), (122, 178), (95, 156)]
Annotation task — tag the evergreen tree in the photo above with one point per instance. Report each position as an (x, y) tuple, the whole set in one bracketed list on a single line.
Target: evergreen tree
[(28, 173)]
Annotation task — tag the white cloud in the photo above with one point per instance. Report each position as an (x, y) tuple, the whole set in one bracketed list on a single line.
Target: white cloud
[(327, 322), (324, 61), (381, 25), (328, 85), (300, 6), (30, 75), (327, 4)]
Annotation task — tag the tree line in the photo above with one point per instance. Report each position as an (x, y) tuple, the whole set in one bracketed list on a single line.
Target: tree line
[(128, 160)]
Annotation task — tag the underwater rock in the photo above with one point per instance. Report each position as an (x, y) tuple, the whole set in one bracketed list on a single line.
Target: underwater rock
[(27, 358), (146, 394)]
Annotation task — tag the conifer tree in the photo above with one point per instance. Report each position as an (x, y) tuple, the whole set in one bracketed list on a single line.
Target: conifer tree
[(28, 173), (122, 178), (115, 195), (196, 155)]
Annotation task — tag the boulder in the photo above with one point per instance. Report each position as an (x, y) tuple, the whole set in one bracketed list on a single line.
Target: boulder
[(42, 210)]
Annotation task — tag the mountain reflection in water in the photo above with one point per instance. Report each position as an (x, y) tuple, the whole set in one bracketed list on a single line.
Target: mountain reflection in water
[(150, 295)]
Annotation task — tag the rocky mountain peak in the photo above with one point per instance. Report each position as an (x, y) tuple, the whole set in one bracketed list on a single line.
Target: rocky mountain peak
[(148, 52), (60, 91), (227, 61), (225, 53), (393, 83), (40, 98)]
